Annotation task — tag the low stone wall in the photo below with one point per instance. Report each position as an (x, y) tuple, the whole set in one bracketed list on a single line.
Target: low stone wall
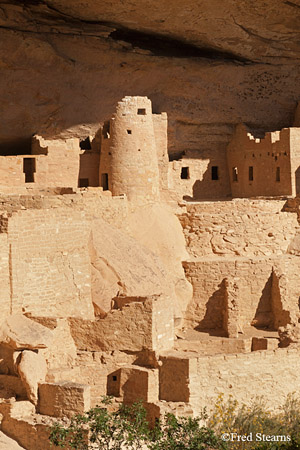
[(199, 380), (238, 228), (146, 324)]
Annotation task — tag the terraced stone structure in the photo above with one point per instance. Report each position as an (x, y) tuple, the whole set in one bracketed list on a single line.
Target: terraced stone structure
[(121, 274)]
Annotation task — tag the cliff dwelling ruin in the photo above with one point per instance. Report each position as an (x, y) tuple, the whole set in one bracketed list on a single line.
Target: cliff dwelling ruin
[(156, 292), (149, 207)]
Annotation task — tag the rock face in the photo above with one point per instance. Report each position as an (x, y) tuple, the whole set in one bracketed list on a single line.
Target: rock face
[(19, 332), (32, 369), (8, 444), (64, 65)]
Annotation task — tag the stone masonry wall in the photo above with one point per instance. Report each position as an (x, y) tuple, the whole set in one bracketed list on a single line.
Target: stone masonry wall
[(146, 323), (132, 147), (268, 157), (50, 266), (238, 227), (200, 380), (254, 280), (199, 184), (278, 375), (5, 292)]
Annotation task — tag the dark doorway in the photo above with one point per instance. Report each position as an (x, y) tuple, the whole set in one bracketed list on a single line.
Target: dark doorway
[(298, 180), (215, 173), (29, 169), (141, 111), (83, 182), (185, 173), (104, 181), (251, 173), (85, 144)]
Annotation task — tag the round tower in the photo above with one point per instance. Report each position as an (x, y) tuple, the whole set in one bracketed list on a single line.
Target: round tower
[(131, 150)]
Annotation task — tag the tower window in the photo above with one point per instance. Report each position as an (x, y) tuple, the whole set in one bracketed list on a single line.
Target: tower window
[(85, 144), (114, 377), (277, 173), (104, 181), (106, 130), (250, 173), (215, 173), (29, 169), (234, 174), (185, 173), (141, 111), (129, 132)]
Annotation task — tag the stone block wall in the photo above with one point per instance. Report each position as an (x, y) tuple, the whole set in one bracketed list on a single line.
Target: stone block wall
[(253, 278), (5, 262), (50, 266), (199, 380), (238, 227), (133, 384), (295, 159), (140, 325), (63, 399), (53, 163), (260, 167), (129, 155), (200, 183)]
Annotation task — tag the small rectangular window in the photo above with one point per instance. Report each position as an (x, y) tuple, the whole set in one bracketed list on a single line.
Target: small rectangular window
[(104, 181), (234, 174), (277, 173), (185, 173), (106, 130), (250, 173), (129, 131), (29, 169), (141, 111), (214, 172)]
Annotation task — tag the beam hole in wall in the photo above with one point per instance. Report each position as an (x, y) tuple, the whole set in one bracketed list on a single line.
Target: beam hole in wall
[(83, 182), (234, 174), (85, 144), (104, 181), (251, 173), (185, 173), (141, 111), (214, 172), (278, 174), (29, 169), (276, 158), (129, 132)]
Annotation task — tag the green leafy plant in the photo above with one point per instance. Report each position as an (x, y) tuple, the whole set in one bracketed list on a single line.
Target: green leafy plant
[(127, 427)]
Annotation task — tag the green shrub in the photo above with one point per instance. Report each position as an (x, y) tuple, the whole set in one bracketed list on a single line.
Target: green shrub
[(126, 427), (103, 428)]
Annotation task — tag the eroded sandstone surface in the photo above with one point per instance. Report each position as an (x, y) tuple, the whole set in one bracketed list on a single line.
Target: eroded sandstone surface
[(64, 65)]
